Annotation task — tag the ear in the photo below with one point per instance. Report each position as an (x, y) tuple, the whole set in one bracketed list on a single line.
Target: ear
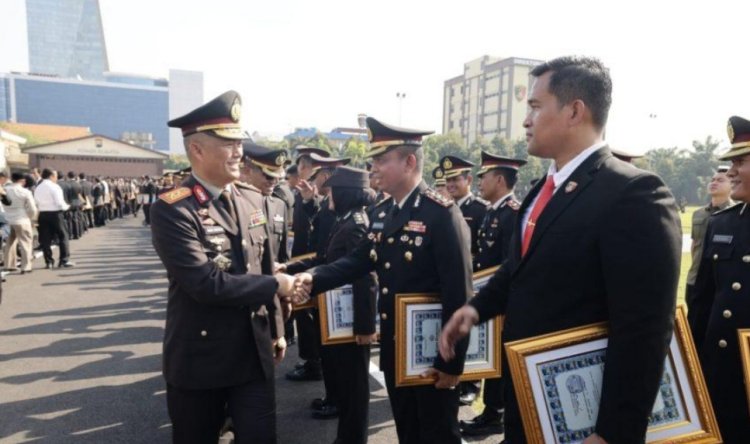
[(470, 179), (577, 112)]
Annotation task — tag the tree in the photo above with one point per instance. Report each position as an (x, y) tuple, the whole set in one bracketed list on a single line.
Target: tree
[(355, 149), (176, 162)]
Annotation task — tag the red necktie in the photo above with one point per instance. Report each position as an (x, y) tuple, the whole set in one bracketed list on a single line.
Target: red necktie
[(544, 196)]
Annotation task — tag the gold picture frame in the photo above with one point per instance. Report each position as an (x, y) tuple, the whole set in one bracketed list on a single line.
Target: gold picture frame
[(682, 412), (330, 311), (744, 341), (418, 326)]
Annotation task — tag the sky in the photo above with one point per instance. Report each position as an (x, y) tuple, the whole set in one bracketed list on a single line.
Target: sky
[(302, 63)]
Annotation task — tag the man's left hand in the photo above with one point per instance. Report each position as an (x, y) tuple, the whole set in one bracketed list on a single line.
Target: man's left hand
[(442, 380), (279, 350)]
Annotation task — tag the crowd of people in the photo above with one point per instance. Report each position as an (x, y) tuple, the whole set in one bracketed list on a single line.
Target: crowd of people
[(43, 208)]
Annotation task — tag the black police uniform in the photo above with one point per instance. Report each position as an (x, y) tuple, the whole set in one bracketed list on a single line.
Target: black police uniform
[(494, 233), (473, 210), (217, 341)]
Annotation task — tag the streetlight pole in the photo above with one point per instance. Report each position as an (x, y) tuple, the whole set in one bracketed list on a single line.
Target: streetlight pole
[(400, 96)]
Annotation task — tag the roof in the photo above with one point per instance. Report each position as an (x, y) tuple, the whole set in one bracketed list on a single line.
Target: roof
[(94, 145), (37, 133)]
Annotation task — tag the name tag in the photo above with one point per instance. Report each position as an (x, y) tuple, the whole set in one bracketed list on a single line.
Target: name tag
[(210, 230), (723, 238), (378, 225)]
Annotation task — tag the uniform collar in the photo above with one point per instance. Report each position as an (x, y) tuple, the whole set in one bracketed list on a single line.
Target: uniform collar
[(502, 200), (463, 200), (561, 176), (403, 201), (212, 189)]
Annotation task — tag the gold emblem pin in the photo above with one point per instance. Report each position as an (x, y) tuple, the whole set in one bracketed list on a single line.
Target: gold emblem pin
[(373, 255), (570, 187), (408, 256), (447, 164)]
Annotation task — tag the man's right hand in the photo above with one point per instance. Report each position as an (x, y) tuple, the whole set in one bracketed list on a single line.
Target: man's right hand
[(306, 190), (302, 288), (457, 328), (286, 286)]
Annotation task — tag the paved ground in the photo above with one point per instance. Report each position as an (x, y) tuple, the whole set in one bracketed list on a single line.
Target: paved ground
[(80, 353)]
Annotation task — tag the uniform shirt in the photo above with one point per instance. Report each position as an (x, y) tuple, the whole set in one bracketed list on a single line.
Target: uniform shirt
[(49, 196), (495, 232), (700, 224), (561, 176), (22, 208)]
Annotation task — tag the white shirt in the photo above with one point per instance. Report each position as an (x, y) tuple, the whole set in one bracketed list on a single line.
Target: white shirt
[(22, 208), (403, 201), (560, 177), (495, 205), (49, 197), (213, 189), (461, 201)]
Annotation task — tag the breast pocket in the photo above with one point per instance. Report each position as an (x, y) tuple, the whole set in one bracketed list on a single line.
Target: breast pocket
[(718, 251)]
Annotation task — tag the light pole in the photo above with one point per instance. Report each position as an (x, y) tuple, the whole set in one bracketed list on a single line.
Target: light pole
[(400, 96)]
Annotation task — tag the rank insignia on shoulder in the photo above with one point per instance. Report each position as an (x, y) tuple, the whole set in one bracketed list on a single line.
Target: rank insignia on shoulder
[(175, 195), (359, 219), (437, 197)]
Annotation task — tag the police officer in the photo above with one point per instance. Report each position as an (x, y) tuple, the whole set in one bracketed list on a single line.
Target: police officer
[(262, 168), (719, 190), (458, 183), (497, 178), (322, 223), (421, 245), (722, 294), (210, 234), (457, 173), (306, 205)]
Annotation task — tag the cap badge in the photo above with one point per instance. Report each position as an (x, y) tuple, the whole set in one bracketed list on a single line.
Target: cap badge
[(280, 160), (447, 164), (439, 174), (236, 110), (730, 132)]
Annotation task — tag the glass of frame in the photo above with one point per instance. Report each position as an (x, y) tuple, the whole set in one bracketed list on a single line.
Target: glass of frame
[(744, 338), (336, 309), (419, 320), (557, 378)]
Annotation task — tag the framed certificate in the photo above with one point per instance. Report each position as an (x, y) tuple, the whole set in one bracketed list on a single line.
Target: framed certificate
[(419, 320), (558, 378), (336, 308), (744, 341), (480, 278)]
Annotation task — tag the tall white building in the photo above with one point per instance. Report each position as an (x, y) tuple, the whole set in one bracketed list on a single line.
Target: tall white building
[(488, 99)]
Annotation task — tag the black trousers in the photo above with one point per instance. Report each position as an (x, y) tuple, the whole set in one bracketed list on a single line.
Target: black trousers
[(147, 213), (89, 217), (494, 395), (351, 371), (197, 415), (52, 225), (423, 414), (100, 216), (308, 335)]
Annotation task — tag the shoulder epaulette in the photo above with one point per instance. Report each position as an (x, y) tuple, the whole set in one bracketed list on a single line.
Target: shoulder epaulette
[(360, 218), (437, 197), (734, 207), (175, 195)]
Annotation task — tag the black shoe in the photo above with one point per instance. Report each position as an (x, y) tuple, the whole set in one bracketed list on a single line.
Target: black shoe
[(304, 374), (489, 422), (328, 411), (25, 271), (67, 264), (300, 364), (318, 403), (49, 265)]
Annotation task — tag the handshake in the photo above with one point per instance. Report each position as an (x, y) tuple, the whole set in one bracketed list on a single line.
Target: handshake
[(294, 289)]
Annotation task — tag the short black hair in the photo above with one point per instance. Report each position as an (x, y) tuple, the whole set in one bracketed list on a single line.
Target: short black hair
[(292, 171), (580, 78), (509, 175), (82, 176), (15, 177), (346, 199), (46, 173), (71, 175)]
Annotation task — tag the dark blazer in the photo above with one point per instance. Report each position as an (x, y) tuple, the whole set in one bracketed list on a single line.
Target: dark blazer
[(721, 307), (473, 210), (301, 223), (606, 248), (217, 330), (493, 238), (423, 249)]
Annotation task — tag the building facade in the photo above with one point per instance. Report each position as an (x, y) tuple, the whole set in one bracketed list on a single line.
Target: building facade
[(97, 155), (66, 38), (488, 99)]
